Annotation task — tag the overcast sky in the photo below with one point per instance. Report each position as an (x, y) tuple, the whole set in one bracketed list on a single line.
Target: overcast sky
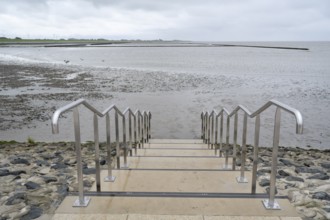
[(199, 20)]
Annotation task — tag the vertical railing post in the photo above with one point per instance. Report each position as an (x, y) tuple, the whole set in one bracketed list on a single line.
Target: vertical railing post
[(212, 130), (242, 178), (255, 154), (142, 130), (221, 135), (149, 119), (139, 129), (235, 141), (227, 143), (97, 153), (135, 136), (109, 178), (130, 133), (202, 128), (208, 130), (81, 201), (205, 128), (125, 166), (271, 203), (117, 140), (147, 128), (216, 135)]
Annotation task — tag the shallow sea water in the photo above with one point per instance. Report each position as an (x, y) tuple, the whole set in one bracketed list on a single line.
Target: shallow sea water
[(177, 83)]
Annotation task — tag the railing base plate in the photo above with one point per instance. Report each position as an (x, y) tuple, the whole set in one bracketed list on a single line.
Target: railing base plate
[(110, 179), (268, 206), (77, 202), (241, 179)]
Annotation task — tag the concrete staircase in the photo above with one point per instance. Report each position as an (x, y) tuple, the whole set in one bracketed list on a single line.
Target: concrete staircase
[(175, 179)]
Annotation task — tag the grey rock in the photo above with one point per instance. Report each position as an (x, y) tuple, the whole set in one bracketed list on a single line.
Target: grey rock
[(261, 172), (321, 196), (283, 173), (308, 163), (59, 166), (4, 165), (16, 198), (32, 185), (89, 171), (20, 161), (325, 165), (17, 172), (319, 176), (63, 190), (294, 178), (88, 183), (48, 156), (34, 213), (4, 172), (308, 170), (49, 179), (287, 162), (70, 161), (327, 209), (41, 163), (264, 182)]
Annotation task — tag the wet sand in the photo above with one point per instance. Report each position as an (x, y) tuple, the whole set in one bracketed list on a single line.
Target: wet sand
[(31, 91)]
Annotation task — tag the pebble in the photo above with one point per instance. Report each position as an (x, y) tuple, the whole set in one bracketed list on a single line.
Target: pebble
[(294, 178), (20, 161), (308, 170), (32, 185), (319, 176), (321, 196)]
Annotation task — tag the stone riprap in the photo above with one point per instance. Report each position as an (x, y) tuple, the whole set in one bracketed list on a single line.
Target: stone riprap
[(35, 178)]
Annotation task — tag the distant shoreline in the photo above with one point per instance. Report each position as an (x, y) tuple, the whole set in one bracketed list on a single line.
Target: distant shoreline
[(128, 43)]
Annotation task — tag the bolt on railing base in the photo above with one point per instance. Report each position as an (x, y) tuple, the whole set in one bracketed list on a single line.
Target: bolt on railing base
[(110, 179), (269, 206), (241, 179), (78, 203)]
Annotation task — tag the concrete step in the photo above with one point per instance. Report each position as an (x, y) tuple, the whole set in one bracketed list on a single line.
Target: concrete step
[(176, 181), (176, 141), (176, 146), (151, 152), (174, 208), (211, 163)]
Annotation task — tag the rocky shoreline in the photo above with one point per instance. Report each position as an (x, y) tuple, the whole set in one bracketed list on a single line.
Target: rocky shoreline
[(36, 177)]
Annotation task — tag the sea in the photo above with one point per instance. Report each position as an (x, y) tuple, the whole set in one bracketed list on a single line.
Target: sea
[(176, 82)]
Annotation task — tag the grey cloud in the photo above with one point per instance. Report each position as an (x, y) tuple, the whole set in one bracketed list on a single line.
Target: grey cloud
[(171, 19)]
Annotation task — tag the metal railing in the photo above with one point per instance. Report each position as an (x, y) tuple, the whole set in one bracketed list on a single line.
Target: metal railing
[(138, 134), (210, 138)]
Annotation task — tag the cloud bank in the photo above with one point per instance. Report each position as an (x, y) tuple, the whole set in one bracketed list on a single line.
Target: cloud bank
[(208, 20)]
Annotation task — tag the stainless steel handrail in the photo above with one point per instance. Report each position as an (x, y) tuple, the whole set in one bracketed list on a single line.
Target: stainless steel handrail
[(269, 203), (131, 114), (83, 201), (220, 114), (140, 128)]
